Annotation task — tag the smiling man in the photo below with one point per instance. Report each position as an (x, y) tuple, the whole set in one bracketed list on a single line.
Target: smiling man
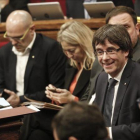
[(127, 17), (117, 88)]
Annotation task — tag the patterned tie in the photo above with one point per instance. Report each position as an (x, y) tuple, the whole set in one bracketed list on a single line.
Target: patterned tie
[(108, 102)]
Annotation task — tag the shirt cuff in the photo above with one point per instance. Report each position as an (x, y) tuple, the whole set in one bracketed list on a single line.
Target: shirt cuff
[(110, 132)]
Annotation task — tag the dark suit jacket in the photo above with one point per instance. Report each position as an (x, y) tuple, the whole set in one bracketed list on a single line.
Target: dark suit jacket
[(96, 70), (137, 8), (82, 83), (47, 66), (75, 8), (126, 117), (136, 52), (13, 5)]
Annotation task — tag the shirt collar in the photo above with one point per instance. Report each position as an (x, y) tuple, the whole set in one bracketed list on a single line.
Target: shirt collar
[(27, 50), (118, 77)]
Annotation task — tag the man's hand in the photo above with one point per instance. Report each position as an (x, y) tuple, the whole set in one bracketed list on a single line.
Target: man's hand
[(14, 100), (60, 95)]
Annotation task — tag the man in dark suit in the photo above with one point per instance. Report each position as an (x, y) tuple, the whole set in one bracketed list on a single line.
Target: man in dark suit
[(11, 5), (75, 8), (127, 17), (113, 47), (29, 62)]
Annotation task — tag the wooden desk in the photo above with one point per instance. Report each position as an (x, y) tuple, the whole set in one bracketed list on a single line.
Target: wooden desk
[(51, 27), (10, 130)]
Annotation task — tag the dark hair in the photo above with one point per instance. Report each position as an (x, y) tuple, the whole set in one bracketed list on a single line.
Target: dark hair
[(119, 10), (115, 34), (81, 121)]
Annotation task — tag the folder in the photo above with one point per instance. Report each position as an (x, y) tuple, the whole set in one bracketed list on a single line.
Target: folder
[(42, 105)]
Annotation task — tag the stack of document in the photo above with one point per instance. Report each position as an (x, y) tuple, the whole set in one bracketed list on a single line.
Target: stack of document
[(42, 105)]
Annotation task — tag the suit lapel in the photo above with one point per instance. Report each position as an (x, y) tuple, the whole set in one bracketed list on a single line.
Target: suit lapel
[(70, 73), (100, 90), (103, 87), (82, 81), (31, 60), (124, 82), (12, 70)]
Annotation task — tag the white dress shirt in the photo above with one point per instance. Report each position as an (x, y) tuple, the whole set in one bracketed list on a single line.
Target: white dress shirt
[(22, 59)]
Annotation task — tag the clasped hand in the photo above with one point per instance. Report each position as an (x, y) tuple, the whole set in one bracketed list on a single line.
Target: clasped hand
[(60, 96)]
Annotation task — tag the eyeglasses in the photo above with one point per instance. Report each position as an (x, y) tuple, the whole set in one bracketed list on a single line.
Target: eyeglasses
[(16, 38), (109, 51)]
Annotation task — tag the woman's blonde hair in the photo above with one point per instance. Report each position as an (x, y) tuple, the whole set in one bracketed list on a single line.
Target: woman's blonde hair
[(76, 33)]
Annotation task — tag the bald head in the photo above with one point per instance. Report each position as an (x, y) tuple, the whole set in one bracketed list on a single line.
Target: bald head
[(20, 29), (19, 18)]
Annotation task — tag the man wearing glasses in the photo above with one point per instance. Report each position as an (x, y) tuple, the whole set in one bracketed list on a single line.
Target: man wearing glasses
[(127, 17), (117, 88), (29, 62)]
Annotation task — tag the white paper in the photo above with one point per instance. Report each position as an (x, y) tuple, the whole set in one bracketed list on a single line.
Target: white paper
[(3, 102), (33, 108)]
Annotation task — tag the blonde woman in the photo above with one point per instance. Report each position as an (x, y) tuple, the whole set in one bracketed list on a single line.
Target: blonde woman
[(76, 41)]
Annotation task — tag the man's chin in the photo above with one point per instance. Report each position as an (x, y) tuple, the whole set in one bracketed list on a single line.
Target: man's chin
[(19, 49), (109, 71)]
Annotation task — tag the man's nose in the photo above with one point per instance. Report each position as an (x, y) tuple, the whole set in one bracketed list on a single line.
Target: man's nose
[(14, 42), (105, 56)]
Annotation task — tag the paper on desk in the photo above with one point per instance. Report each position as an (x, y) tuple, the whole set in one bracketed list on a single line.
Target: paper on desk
[(33, 108), (3, 102)]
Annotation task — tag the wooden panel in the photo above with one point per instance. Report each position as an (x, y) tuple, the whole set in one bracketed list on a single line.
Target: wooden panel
[(51, 27), (10, 130)]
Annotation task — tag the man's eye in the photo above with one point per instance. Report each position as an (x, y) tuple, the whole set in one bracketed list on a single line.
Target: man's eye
[(99, 52), (126, 26), (110, 50)]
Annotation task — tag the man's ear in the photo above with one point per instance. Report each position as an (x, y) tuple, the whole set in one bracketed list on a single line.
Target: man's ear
[(137, 28), (72, 138)]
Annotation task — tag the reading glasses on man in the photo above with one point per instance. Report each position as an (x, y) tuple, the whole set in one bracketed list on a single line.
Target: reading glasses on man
[(110, 51), (16, 38)]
